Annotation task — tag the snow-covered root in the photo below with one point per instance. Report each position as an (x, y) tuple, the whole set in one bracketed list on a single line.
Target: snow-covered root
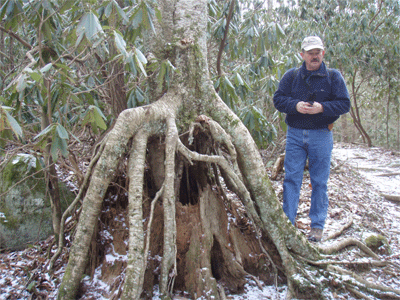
[(345, 243), (340, 230), (354, 280), (136, 261), (350, 280), (233, 175), (168, 266), (128, 124)]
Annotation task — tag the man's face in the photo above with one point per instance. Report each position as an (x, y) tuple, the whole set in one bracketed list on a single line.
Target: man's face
[(313, 58)]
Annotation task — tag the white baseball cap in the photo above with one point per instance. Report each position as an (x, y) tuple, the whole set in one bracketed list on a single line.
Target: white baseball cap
[(312, 42)]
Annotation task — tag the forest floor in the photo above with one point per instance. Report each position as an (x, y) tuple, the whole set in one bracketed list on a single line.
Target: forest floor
[(359, 178)]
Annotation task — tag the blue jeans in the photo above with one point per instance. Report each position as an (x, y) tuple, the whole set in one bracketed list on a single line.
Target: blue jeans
[(317, 145)]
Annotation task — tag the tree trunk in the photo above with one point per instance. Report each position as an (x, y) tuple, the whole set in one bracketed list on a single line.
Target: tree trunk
[(51, 176), (208, 242), (388, 114), (354, 112)]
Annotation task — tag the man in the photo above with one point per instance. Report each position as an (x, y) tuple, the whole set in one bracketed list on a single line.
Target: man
[(312, 97)]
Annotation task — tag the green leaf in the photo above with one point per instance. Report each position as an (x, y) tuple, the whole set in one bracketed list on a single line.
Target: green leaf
[(4, 9), (137, 18), (21, 85), (14, 125), (93, 27), (150, 19), (31, 286), (238, 79), (120, 43), (108, 10), (35, 76), (99, 118), (67, 5), (90, 27), (139, 63), (55, 146), (62, 133), (280, 30), (44, 132), (120, 11), (229, 83), (76, 99), (140, 56), (46, 68)]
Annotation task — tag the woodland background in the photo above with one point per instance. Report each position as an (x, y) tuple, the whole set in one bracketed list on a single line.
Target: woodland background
[(68, 68)]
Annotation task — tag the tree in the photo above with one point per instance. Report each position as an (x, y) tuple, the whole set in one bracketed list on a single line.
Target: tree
[(186, 139), (190, 99)]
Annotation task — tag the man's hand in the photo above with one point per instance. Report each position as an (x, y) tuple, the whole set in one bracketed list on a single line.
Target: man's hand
[(307, 108)]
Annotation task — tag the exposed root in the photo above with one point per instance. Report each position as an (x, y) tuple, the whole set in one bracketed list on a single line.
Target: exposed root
[(168, 266), (355, 292), (71, 207), (325, 262), (136, 263), (341, 229), (148, 231), (239, 185), (219, 135), (394, 198), (359, 281), (345, 243), (221, 292)]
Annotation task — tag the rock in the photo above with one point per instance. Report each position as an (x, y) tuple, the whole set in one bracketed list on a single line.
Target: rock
[(25, 211), (378, 243)]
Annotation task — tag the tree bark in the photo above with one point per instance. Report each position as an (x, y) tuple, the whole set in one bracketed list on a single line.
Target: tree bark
[(354, 112)]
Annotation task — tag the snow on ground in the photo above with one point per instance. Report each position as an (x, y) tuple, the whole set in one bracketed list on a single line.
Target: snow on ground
[(376, 165), (355, 188), (380, 170)]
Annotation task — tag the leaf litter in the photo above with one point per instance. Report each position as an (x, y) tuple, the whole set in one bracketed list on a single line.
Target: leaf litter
[(360, 176)]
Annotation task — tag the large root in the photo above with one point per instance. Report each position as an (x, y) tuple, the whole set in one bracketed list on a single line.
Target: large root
[(214, 252)]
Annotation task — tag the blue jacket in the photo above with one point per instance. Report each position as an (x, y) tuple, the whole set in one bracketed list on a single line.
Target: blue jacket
[(327, 88)]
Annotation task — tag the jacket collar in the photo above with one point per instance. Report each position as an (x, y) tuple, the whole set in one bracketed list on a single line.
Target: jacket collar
[(320, 72)]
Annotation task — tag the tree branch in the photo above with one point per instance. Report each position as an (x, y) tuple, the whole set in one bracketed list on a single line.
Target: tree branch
[(226, 32), (17, 37)]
